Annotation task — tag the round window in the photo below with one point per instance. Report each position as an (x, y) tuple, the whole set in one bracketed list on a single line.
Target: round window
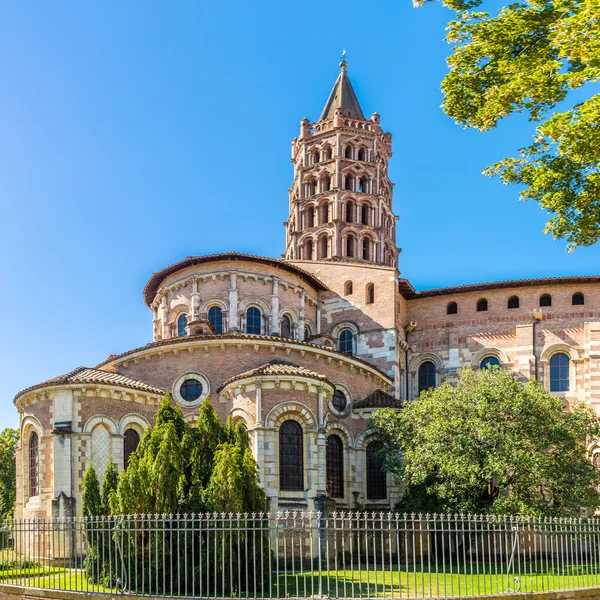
[(339, 401), (191, 390)]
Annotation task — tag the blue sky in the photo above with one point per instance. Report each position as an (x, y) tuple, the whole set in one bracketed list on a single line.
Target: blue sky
[(134, 134)]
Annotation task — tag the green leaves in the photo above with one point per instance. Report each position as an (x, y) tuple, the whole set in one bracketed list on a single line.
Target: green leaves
[(8, 444), (528, 57), (491, 444)]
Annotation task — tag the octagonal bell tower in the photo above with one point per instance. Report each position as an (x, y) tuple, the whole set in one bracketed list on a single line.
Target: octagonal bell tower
[(341, 196)]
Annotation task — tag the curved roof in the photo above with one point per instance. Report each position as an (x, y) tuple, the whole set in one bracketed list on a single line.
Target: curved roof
[(378, 399), (94, 376), (411, 294), (157, 278), (274, 368)]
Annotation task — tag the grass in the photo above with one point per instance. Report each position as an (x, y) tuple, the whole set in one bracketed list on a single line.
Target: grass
[(349, 583)]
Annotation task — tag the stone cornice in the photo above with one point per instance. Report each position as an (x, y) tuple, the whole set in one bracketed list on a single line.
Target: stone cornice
[(294, 382), (92, 390), (219, 342)]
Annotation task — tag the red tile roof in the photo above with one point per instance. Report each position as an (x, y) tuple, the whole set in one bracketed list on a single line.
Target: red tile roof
[(274, 368), (94, 376)]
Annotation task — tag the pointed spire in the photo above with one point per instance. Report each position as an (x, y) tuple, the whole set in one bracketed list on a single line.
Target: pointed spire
[(342, 96)]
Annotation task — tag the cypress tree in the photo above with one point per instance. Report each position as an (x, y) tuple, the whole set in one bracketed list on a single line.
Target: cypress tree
[(109, 486), (91, 499)]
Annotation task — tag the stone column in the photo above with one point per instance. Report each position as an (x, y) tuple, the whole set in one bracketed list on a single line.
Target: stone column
[(275, 308), (233, 303), (301, 298), (195, 301), (318, 318), (166, 333)]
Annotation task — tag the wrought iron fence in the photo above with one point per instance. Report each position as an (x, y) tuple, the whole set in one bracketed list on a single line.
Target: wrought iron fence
[(300, 555)]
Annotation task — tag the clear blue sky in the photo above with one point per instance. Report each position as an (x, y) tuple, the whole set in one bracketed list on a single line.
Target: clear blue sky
[(133, 134)]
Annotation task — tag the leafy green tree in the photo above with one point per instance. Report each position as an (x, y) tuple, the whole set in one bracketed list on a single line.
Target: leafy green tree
[(8, 444), (491, 444), (91, 497), (109, 486), (530, 56)]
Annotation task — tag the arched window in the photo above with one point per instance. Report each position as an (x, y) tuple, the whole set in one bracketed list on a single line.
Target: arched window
[(286, 327), (348, 288), (335, 467), (308, 250), (346, 342), (362, 153), (350, 245), (482, 305), (349, 212), (545, 300), (325, 213), (339, 401), (578, 299), (559, 373), (348, 152), (315, 157), (328, 153), (349, 182), (452, 308), (215, 318), (364, 214), (363, 185), (426, 376), (490, 361), (306, 333), (253, 320), (513, 302), (322, 247), (291, 459), (376, 477), (370, 293), (131, 439), (326, 184), (34, 464), (182, 325), (310, 217), (366, 249)]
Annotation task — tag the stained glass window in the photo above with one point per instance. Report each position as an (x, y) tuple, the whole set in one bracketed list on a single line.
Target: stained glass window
[(376, 477), (426, 376), (490, 361), (559, 373), (339, 401), (291, 460), (34, 464), (131, 439), (253, 318), (335, 467), (182, 325), (215, 318), (190, 390), (346, 342)]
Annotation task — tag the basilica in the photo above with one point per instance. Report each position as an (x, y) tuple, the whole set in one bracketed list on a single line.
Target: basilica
[(302, 349)]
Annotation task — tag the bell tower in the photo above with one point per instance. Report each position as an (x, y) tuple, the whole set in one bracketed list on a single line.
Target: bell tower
[(341, 196)]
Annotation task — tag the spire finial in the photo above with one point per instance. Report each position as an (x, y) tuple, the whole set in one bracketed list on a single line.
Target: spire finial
[(343, 58)]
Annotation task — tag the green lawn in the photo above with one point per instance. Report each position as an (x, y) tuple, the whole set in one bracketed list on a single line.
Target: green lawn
[(348, 583)]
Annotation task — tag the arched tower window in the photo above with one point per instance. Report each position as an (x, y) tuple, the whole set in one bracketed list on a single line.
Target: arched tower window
[(559, 373), (348, 152), (482, 305), (578, 299), (362, 154), (131, 439), (350, 246), (306, 333), (490, 361), (253, 320), (215, 318), (335, 467), (349, 212), (426, 376), (346, 342), (291, 458), (322, 247), (366, 249), (349, 182), (348, 288), (364, 214), (452, 308), (370, 293), (325, 213), (34, 464), (376, 477), (182, 325), (310, 217), (364, 185), (328, 153), (513, 302), (545, 300), (308, 250), (286, 327)]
